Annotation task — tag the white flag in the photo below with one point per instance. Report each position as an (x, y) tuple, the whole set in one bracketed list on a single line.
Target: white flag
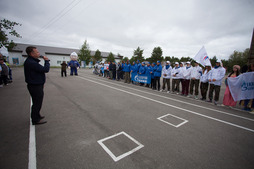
[(202, 57), (242, 86)]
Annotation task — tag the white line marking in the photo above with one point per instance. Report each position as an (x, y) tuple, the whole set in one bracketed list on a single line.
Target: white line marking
[(180, 124), (147, 98), (179, 101), (123, 155), (32, 144)]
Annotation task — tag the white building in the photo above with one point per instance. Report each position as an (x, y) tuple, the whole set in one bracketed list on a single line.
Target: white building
[(18, 55)]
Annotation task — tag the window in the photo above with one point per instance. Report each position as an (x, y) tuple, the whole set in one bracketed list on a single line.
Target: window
[(15, 61), (59, 62)]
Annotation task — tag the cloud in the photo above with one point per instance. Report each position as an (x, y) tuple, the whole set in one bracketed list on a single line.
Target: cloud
[(180, 28)]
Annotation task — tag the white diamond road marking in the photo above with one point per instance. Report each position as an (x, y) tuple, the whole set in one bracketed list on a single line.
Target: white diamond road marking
[(161, 119), (123, 155)]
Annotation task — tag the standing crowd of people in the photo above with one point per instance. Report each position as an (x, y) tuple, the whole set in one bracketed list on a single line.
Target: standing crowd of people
[(5, 72), (190, 79)]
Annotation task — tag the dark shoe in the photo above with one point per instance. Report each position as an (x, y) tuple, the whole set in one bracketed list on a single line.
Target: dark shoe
[(42, 117), (209, 101), (39, 122)]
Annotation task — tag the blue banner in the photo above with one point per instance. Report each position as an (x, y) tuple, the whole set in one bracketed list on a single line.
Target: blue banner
[(141, 78)]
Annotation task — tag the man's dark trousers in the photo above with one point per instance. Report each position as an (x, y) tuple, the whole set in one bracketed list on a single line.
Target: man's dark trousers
[(36, 92)]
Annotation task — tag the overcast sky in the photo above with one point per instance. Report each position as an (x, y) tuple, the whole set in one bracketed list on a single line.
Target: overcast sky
[(179, 27)]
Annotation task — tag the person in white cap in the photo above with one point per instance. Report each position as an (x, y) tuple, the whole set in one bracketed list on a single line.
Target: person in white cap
[(204, 81), (186, 79), (215, 79), (175, 74), (73, 64), (166, 74), (196, 72)]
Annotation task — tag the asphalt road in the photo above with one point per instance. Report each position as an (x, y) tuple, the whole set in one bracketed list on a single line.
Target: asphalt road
[(96, 123)]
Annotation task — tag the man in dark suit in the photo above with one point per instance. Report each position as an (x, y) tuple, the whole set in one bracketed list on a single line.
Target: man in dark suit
[(35, 79)]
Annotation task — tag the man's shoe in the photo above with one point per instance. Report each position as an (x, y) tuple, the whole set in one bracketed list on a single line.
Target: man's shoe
[(42, 117), (39, 122)]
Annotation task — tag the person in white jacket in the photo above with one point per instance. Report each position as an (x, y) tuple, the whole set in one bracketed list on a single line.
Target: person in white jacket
[(181, 74), (175, 74), (166, 74), (186, 79), (215, 78), (204, 81), (196, 72)]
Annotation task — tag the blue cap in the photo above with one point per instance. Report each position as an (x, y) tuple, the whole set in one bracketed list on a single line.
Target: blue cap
[(158, 61), (154, 63), (143, 63), (148, 63)]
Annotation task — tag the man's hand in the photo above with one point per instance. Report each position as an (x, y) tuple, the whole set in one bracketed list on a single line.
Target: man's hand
[(45, 58)]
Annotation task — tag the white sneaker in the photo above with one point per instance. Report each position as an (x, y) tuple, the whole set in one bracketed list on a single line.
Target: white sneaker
[(168, 91), (251, 112), (188, 95), (161, 90), (177, 93), (196, 97)]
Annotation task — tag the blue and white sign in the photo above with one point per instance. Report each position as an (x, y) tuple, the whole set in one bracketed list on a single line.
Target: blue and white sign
[(141, 78), (242, 86)]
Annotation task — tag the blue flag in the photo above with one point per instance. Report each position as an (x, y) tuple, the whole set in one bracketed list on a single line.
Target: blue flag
[(141, 78)]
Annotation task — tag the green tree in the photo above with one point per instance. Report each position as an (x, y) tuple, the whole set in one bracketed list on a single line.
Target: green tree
[(85, 53), (156, 55), (213, 60), (97, 56), (125, 59), (7, 28), (186, 59), (238, 58), (111, 57), (138, 55), (172, 59)]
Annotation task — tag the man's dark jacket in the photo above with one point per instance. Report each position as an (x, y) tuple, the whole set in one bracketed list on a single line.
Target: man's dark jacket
[(34, 72)]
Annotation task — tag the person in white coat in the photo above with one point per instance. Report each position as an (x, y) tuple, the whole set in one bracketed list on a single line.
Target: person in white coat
[(204, 81), (175, 74), (215, 78), (181, 74), (166, 74), (196, 72), (186, 79)]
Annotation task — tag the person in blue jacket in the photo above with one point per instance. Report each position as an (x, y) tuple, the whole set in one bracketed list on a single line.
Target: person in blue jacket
[(127, 70), (149, 69), (142, 71), (138, 65), (157, 75), (152, 75), (133, 70)]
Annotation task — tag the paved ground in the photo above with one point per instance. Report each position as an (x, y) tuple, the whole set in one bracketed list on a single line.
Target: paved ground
[(96, 123)]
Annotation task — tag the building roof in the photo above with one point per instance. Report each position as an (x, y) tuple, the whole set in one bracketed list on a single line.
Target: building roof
[(44, 50)]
